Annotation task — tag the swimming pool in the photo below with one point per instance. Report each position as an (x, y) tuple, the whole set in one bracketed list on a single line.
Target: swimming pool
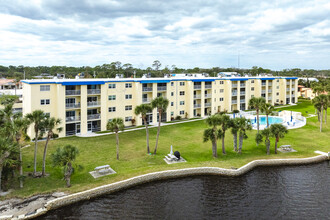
[(271, 120)]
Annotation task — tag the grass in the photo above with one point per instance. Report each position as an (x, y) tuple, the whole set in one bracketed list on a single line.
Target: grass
[(185, 137)]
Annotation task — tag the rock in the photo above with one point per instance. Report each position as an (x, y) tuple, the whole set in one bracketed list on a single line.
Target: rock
[(58, 194)]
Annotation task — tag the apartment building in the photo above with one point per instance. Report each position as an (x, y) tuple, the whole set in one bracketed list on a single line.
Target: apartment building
[(11, 87), (86, 105)]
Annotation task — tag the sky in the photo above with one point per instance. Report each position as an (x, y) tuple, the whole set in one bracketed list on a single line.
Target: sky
[(195, 33)]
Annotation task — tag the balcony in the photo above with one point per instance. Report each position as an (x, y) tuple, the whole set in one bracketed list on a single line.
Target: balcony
[(72, 118), (269, 91), (72, 92), (234, 101), (72, 105), (242, 85), (208, 95), (94, 91), (197, 96), (207, 104), (293, 89), (93, 104), (93, 117), (146, 100), (242, 101), (287, 89), (197, 86), (146, 89), (234, 85), (269, 98), (263, 84), (263, 91), (161, 88), (287, 83), (242, 93), (197, 105), (208, 86)]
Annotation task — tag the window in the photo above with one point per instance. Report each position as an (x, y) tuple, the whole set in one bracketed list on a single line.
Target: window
[(44, 101), (112, 97), (172, 93), (252, 88), (181, 112), (221, 82), (221, 90), (128, 85), (277, 87), (172, 83), (112, 86), (252, 96), (215, 91), (181, 92), (215, 99), (277, 100), (181, 102), (128, 107), (221, 99), (277, 80), (129, 96), (252, 81), (172, 113), (172, 103), (45, 88), (277, 93), (129, 118), (112, 109), (181, 83)]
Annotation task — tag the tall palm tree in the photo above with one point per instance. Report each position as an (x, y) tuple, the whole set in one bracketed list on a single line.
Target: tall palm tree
[(36, 117), (212, 133), (268, 109), (7, 147), (257, 104), (143, 109), (234, 130), (225, 124), (49, 124), (161, 104), (267, 134), (116, 125), (320, 102), (244, 125), (65, 157), (278, 131)]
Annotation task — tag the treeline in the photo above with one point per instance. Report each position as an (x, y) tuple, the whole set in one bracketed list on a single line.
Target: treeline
[(156, 70)]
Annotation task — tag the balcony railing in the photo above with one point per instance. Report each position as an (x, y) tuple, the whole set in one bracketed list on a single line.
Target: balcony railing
[(242, 93), (197, 86), (72, 92), (93, 91), (263, 84), (207, 104), (287, 89), (263, 91), (197, 96), (234, 101), (242, 101), (234, 93), (72, 118), (293, 89), (161, 88), (94, 116), (287, 83), (234, 85), (197, 105), (146, 100), (208, 95), (72, 105), (93, 104), (269, 91), (146, 89), (269, 98), (242, 85), (208, 86)]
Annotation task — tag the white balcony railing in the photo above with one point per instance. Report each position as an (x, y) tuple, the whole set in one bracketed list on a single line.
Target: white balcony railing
[(94, 116), (288, 83), (234, 93), (161, 88), (93, 91), (234, 101), (72, 92), (207, 104), (242, 93), (269, 98), (93, 104), (287, 89), (146, 100), (242, 85), (146, 89), (72, 105), (197, 86), (234, 85), (72, 118), (263, 91), (197, 96), (208, 95), (269, 91), (208, 86), (242, 101), (293, 89), (263, 84), (197, 105)]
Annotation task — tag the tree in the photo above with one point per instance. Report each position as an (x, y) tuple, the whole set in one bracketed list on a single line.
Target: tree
[(65, 157), (225, 124), (7, 148), (161, 104), (212, 133), (267, 134), (234, 130), (319, 103), (244, 125), (268, 109), (278, 131), (37, 117), (49, 124), (116, 125), (257, 104), (156, 65), (143, 109)]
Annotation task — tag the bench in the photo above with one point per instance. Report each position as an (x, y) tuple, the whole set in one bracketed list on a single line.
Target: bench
[(171, 157), (102, 169)]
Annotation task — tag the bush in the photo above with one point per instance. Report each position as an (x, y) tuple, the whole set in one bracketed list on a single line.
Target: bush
[(236, 111), (178, 117)]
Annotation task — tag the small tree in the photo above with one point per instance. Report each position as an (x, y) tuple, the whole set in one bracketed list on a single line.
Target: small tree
[(278, 131), (244, 125), (234, 130), (116, 125), (268, 109), (143, 109), (212, 133), (257, 104), (225, 124), (64, 157), (267, 134), (320, 102)]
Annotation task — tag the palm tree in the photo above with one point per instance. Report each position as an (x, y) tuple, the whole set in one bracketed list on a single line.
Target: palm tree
[(278, 131), (267, 133), (225, 124), (212, 133), (116, 125), (65, 157), (36, 117), (143, 109), (234, 131), (257, 104), (267, 109), (50, 123), (244, 125), (161, 104), (320, 102)]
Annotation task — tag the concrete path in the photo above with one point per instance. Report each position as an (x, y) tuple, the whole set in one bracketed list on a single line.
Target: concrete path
[(322, 153)]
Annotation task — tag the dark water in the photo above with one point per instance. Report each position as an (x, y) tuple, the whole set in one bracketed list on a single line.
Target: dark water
[(291, 192)]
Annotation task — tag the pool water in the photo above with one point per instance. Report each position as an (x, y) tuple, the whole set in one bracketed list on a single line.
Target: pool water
[(271, 120)]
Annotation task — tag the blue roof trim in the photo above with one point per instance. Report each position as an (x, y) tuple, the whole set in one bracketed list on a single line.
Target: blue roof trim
[(238, 79), (203, 80), (82, 83), (291, 77), (267, 78), (154, 81)]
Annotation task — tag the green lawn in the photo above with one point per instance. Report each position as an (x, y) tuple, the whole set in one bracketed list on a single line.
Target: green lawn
[(185, 137)]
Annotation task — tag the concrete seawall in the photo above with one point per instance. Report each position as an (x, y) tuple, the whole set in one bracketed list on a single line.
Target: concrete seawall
[(110, 188)]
